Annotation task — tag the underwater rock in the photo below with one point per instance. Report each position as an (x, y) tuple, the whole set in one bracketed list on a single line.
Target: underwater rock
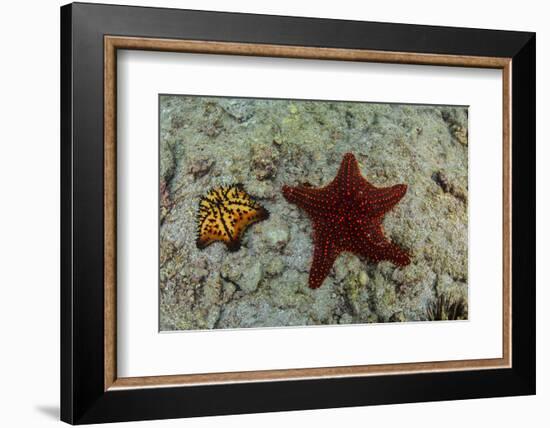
[(228, 291), (198, 274), (167, 169), (275, 234), (264, 161), (165, 200), (340, 268), (252, 275), (448, 186), (457, 120), (261, 189), (275, 266), (325, 304), (345, 319), (363, 278), (244, 272), (442, 181), (278, 140), (239, 110), (167, 161), (259, 313), (398, 317), (287, 290), (231, 269), (460, 133), (199, 166), (212, 317), (212, 291), (177, 122), (214, 129), (353, 291), (347, 265)]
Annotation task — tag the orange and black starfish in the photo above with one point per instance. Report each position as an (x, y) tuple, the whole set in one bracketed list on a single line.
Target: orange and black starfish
[(347, 215), (224, 214)]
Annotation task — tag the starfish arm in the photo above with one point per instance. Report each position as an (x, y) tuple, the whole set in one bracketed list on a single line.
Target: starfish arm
[(381, 200), (349, 178), (324, 256), (375, 247), (309, 199)]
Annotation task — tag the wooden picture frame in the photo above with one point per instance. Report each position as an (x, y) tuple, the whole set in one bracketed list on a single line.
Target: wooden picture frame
[(91, 390)]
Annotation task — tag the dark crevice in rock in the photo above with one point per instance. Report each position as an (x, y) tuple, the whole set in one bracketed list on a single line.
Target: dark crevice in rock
[(448, 187), (231, 282)]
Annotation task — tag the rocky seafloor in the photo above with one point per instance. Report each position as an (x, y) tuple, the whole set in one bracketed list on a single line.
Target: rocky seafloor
[(263, 144)]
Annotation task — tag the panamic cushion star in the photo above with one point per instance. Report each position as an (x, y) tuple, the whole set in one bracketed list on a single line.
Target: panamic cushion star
[(224, 214), (347, 215)]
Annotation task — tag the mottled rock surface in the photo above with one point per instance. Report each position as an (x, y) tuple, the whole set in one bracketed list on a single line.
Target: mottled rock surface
[(263, 144)]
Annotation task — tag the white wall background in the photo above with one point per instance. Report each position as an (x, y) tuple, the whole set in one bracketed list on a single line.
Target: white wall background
[(29, 216)]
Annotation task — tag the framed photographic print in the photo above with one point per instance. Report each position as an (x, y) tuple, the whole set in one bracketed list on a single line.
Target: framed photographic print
[(265, 213)]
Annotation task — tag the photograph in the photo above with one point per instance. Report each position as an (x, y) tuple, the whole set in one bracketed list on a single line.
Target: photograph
[(248, 214), (291, 212)]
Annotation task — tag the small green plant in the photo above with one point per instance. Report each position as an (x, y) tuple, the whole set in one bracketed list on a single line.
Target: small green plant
[(446, 308)]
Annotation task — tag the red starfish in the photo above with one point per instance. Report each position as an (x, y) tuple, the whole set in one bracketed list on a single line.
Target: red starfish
[(347, 215)]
